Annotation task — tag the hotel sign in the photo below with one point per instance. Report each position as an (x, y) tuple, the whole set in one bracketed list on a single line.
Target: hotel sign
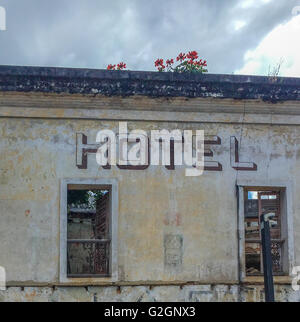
[(137, 150)]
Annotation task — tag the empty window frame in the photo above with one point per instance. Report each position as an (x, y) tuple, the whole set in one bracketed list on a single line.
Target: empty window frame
[(88, 231), (257, 202)]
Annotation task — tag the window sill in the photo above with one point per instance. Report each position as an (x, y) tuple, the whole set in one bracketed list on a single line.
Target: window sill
[(285, 279), (81, 276), (79, 281)]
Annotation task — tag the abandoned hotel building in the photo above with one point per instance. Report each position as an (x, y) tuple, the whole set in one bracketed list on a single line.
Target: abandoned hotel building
[(74, 230)]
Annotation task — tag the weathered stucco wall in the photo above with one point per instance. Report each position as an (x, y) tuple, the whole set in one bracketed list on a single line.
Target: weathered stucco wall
[(38, 150), (152, 203)]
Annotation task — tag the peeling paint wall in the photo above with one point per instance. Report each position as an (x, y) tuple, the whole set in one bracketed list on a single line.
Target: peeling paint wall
[(157, 207)]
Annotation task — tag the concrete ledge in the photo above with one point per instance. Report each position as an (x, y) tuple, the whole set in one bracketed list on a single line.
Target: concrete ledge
[(151, 84), (140, 108)]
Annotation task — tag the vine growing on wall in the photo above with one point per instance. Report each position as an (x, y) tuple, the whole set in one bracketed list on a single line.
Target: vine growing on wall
[(186, 63)]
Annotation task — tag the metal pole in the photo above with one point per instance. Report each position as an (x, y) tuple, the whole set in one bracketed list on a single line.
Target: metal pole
[(267, 257)]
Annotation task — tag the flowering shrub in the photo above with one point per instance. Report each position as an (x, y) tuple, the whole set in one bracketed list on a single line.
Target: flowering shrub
[(186, 63), (120, 66)]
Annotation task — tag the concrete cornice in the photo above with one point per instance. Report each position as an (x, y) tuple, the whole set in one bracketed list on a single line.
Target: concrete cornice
[(140, 108), (147, 84)]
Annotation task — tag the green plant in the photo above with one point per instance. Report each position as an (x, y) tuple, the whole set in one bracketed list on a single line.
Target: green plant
[(187, 63)]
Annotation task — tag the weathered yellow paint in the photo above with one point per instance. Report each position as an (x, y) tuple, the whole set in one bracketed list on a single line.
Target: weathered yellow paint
[(38, 150)]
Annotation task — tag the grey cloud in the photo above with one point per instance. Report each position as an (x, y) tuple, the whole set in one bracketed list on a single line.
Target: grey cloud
[(94, 33)]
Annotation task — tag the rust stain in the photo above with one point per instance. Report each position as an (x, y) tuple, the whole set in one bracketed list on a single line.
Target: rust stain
[(31, 295), (173, 219)]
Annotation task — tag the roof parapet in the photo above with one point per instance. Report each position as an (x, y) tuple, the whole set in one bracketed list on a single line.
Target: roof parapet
[(151, 84)]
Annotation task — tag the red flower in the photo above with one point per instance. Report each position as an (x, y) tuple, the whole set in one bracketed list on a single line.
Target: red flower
[(111, 67), (201, 63), (170, 62), (181, 57), (159, 62), (162, 68), (192, 55), (121, 66)]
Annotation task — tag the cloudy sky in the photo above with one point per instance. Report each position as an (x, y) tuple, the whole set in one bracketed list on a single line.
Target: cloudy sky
[(234, 36)]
